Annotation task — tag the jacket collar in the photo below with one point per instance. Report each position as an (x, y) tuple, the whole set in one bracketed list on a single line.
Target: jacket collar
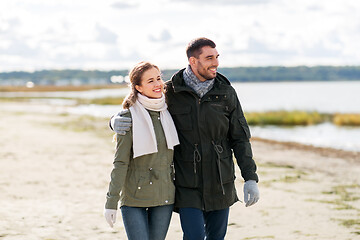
[(178, 82)]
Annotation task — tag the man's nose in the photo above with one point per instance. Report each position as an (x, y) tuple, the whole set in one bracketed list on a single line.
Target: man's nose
[(216, 62)]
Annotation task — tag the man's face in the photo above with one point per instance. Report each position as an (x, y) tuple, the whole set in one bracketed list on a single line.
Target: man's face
[(205, 66)]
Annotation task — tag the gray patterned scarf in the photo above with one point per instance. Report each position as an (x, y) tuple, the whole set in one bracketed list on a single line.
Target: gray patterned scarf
[(201, 88)]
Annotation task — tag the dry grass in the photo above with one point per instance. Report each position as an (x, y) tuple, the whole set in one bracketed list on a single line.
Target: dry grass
[(346, 119), (285, 118)]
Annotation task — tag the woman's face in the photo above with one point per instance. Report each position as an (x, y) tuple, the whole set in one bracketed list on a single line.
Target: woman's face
[(152, 86)]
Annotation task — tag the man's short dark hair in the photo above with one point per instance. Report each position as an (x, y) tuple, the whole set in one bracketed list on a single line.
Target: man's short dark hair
[(193, 49)]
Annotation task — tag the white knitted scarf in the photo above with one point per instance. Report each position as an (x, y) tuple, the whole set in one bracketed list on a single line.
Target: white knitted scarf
[(144, 139)]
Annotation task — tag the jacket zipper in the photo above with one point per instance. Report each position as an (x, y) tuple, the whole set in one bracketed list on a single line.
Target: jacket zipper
[(198, 129), (198, 100)]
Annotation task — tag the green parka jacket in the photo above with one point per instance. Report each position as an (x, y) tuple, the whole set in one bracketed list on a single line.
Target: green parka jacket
[(145, 181), (210, 130)]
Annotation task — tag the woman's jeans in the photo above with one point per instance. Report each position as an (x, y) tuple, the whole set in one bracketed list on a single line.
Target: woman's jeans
[(146, 223), (197, 224)]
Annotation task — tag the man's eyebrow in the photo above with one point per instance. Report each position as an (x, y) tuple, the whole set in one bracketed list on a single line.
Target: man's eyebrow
[(209, 56)]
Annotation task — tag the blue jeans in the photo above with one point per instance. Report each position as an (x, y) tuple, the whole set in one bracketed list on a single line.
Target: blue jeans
[(198, 225), (146, 223)]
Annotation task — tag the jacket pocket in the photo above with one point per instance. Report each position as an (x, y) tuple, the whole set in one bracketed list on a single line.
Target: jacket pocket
[(144, 190), (181, 117), (245, 126), (185, 174)]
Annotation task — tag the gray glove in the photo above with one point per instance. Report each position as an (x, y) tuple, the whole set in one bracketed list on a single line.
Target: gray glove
[(251, 188), (110, 216), (120, 124)]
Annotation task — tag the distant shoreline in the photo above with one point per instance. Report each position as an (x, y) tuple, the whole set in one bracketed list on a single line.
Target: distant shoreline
[(234, 74)]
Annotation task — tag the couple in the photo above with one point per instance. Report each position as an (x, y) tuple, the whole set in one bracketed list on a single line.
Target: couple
[(185, 137)]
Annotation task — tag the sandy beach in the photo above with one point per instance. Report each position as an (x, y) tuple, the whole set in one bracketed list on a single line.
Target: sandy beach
[(55, 169)]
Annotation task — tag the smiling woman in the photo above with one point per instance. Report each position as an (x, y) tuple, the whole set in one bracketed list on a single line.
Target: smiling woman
[(142, 177)]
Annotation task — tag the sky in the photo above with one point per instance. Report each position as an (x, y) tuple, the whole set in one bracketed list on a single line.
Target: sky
[(116, 34)]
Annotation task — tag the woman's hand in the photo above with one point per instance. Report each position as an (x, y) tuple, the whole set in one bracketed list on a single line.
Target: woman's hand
[(110, 216)]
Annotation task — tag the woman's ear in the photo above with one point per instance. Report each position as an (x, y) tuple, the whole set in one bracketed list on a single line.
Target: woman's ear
[(137, 87)]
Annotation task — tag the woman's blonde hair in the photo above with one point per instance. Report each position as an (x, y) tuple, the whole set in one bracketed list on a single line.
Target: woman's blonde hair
[(135, 79)]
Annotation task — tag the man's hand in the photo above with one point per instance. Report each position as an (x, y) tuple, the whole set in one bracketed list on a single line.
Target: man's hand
[(120, 124), (251, 188), (110, 216)]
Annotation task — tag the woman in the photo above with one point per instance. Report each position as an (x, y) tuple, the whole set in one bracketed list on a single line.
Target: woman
[(142, 177)]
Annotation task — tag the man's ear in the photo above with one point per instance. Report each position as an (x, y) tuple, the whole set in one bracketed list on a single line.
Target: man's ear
[(192, 61)]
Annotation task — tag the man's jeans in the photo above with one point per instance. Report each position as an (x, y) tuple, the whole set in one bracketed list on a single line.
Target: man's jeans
[(197, 224), (143, 223)]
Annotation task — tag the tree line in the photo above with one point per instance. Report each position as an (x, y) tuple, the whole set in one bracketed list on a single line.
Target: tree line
[(299, 73), (234, 74)]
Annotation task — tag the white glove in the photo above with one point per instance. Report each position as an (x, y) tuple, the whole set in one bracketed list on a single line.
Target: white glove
[(250, 187), (110, 216), (121, 124)]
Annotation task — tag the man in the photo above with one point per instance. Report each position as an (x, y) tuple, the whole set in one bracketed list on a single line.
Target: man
[(211, 127)]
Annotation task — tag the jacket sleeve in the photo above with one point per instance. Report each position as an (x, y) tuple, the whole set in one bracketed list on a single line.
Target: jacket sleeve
[(111, 128), (239, 135), (118, 174)]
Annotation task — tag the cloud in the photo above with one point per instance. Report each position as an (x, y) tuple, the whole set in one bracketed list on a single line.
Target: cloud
[(19, 47), (319, 50), (315, 8), (163, 37), (86, 33), (257, 47), (225, 2), (8, 25), (104, 35), (122, 5)]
